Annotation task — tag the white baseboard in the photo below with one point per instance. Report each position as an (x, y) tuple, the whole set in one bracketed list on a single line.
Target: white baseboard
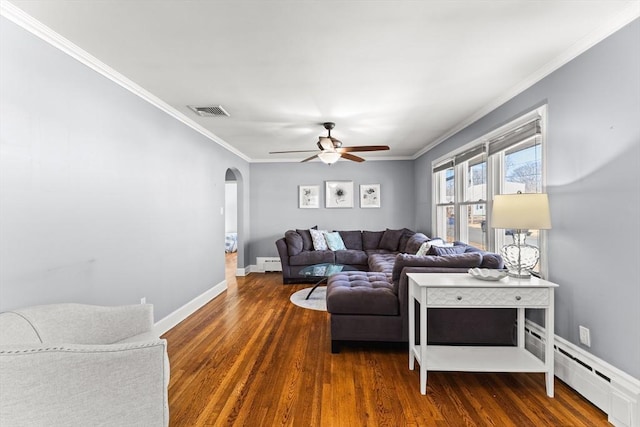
[(241, 272), (168, 322), (613, 391)]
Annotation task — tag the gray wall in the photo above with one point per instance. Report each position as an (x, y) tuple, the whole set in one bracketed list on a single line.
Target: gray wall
[(593, 178), (104, 198), (274, 199)]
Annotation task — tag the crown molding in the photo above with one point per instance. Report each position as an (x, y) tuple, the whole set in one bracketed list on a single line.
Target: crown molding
[(45, 33), (626, 17), (37, 28)]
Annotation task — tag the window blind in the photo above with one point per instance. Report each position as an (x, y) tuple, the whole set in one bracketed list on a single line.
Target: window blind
[(460, 158), (527, 131)]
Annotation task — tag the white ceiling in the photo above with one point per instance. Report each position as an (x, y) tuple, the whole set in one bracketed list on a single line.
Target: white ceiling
[(399, 73)]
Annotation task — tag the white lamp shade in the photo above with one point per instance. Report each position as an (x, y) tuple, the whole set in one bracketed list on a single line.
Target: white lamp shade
[(521, 211), (329, 157)]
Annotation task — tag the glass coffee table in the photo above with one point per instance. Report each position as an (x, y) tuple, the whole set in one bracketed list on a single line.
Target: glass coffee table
[(322, 272)]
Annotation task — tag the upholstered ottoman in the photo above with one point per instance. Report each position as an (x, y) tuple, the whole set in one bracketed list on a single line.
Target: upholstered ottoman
[(357, 300)]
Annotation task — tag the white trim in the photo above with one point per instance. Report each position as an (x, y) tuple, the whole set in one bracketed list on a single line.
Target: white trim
[(612, 390), (493, 179), (243, 271), (168, 322), (627, 16), (37, 28)]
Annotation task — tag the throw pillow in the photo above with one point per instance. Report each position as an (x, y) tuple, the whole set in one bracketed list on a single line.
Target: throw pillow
[(307, 241), (294, 242), (319, 242), (414, 243), (424, 248), (334, 241), (404, 239), (390, 239), (448, 250)]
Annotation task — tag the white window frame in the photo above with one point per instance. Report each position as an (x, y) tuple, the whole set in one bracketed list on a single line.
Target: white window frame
[(495, 166)]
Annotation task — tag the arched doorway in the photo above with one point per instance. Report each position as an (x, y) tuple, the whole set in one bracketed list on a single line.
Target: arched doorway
[(234, 251)]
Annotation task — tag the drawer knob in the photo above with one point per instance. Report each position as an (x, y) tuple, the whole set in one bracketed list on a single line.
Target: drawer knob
[(518, 297), (459, 298)]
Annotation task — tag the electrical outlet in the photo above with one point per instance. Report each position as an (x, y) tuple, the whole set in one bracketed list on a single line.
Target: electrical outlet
[(143, 300), (585, 336)]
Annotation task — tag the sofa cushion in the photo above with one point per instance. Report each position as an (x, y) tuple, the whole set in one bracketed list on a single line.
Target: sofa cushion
[(447, 250), (382, 262), (352, 239), (361, 293), (414, 242), (294, 242), (390, 239), (351, 257), (404, 239), (463, 261), (491, 260), (334, 241), (319, 242), (312, 257), (307, 242), (371, 239)]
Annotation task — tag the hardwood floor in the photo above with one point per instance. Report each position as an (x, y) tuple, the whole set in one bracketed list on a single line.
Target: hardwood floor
[(251, 358)]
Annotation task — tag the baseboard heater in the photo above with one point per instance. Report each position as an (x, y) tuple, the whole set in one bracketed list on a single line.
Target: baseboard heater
[(613, 391), (265, 264)]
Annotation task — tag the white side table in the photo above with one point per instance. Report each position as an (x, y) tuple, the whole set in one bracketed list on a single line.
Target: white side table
[(461, 290)]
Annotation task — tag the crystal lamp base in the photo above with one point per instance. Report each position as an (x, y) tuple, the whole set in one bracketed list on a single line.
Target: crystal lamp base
[(519, 257)]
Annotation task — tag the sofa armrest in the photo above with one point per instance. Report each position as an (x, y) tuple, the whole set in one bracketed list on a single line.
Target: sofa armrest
[(61, 385), (283, 252), (88, 324)]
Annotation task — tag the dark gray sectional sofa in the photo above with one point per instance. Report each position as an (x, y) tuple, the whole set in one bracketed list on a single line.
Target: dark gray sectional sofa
[(296, 250), (372, 304)]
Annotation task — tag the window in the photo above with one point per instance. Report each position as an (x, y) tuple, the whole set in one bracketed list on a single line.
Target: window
[(462, 203), (505, 161)]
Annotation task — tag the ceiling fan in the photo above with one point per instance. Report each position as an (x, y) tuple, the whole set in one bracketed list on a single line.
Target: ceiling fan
[(331, 149)]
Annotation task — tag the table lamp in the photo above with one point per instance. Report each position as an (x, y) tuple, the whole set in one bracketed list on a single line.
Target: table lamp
[(520, 212)]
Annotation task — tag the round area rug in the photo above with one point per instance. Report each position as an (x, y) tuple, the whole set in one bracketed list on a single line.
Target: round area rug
[(317, 300)]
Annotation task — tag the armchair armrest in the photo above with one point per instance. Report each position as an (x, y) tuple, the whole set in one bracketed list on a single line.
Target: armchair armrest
[(88, 324), (61, 384)]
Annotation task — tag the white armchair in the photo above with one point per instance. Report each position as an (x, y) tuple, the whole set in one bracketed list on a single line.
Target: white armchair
[(82, 365)]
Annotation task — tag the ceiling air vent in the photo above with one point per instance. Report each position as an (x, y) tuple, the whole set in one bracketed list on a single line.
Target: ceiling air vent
[(209, 111)]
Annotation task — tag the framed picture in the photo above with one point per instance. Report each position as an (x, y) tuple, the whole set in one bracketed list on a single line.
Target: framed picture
[(309, 196), (339, 194), (370, 196)]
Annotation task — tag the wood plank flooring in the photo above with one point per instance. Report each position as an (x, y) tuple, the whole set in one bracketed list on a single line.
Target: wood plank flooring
[(251, 358)]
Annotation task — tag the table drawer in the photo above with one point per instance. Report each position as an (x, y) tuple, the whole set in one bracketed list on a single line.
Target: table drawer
[(488, 296)]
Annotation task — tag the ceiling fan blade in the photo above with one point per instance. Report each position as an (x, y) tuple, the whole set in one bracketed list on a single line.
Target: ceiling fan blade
[(309, 158), (352, 157), (363, 148), (292, 151)]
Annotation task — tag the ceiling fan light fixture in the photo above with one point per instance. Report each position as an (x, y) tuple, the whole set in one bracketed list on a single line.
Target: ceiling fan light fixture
[(329, 157), (326, 143)]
